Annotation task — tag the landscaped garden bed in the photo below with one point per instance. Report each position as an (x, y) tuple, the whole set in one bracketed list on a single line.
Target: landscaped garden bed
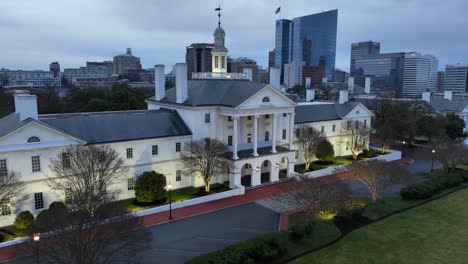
[(178, 195)]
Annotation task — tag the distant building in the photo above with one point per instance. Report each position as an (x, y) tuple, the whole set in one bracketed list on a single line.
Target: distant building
[(283, 44), (362, 49), (292, 74), (386, 71), (96, 82), (198, 58), (440, 81), (420, 74), (456, 78), (307, 40), (341, 76), (271, 58), (263, 76), (70, 75), (55, 68), (30, 78), (315, 73), (100, 64), (125, 63), (239, 64)]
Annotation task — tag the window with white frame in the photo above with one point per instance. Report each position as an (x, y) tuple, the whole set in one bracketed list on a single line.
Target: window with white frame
[(284, 114), (178, 146), (348, 125), (229, 140), (68, 195), (322, 129), (207, 118), (298, 132), (365, 123), (229, 118), (249, 138), (33, 140), (247, 166), (267, 116), (3, 168), (249, 117), (66, 160), (129, 153), (267, 135), (5, 208), (178, 176), (38, 201), (283, 135), (130, 184), (36, 163), (333, 128), (154, 150), (102, 156), (356, 124), (223, 62), (216, 62), (347, 145)]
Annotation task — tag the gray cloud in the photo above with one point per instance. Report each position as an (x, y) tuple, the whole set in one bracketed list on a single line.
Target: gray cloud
[(75, 31)]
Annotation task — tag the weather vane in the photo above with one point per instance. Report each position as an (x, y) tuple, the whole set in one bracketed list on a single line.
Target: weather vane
[(218, 9)]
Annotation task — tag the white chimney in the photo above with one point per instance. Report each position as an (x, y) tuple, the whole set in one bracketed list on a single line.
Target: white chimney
[(367, 85), (344, 94), (181, 83), (426, 96), (310, 95), (26, 106), (308, 83), (448, 95), (248, 73), (159, 82), (275, 77), (325, 80)]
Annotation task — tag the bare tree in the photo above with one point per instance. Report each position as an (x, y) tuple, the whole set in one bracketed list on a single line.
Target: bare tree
[(315, 195), (10, 185), (308, 139), (75, 236), (358, 135), (205, 157), (375, 175), (449, 152), (86, 173)]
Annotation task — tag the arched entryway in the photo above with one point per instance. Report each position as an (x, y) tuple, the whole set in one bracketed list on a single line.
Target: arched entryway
[(265, 175), (283, 168), (246, 175)]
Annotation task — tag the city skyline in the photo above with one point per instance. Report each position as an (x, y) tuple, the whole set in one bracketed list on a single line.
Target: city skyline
[(79, 31)]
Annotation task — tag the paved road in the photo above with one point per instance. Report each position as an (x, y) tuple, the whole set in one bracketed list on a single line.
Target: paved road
[(178, 241)]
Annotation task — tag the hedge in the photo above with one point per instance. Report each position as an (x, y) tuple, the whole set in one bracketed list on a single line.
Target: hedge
[(150, 187), (23, 220), (433, 186), (260, 249)]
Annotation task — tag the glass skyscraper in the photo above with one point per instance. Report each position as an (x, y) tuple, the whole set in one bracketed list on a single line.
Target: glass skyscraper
[(314, 40), (307, 40)]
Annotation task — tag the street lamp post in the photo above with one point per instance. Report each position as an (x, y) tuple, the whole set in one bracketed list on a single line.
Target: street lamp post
[(169, 187), (36, 238), (432, 164)]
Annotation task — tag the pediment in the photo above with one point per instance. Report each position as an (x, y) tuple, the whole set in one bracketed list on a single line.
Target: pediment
[(267, 97)]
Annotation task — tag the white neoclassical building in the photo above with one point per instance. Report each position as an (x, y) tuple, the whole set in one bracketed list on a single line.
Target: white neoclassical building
[(256, 121)]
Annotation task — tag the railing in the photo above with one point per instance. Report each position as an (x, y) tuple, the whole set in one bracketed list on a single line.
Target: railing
[(219, 75)]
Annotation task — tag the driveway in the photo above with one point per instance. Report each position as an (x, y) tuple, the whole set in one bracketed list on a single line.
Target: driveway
[(181, 240)]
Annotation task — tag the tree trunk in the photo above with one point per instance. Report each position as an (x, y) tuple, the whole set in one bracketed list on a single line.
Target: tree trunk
[(355, 155), (207, 184), (375, 196), (307, 166)]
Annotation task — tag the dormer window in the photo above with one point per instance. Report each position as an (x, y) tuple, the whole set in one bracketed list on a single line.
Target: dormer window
[(265, 100), (33, 140)]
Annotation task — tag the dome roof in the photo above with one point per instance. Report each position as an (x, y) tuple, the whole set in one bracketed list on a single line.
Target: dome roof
[(219, 31)]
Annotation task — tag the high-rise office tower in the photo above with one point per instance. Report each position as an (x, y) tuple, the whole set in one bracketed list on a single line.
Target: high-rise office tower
[(55, 68), (239, 64), (440, 81), (307, 41), (198, 58), (420, 74), (283, 44), (362, 49), (271, 58), (456, 78)]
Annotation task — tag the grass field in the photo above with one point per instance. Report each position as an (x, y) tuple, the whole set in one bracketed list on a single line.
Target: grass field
[(436, 232)]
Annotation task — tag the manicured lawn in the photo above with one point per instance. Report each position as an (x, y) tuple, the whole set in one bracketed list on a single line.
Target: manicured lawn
[(178, 195), (435, 232), (318, 165), (10, 232)]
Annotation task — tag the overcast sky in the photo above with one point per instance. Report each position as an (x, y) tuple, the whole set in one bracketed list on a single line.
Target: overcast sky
[(34, 33)]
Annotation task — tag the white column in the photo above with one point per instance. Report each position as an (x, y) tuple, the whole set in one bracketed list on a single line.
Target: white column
[(235, 179), (274, 172), (291, 131), (255, 136), (256, 176), (273, 134), (234, 137)]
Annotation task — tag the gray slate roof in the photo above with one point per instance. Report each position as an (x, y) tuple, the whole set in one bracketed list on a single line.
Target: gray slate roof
[(322, 112), (447, 106), (10, 123), (230, 93), (119, 126)]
